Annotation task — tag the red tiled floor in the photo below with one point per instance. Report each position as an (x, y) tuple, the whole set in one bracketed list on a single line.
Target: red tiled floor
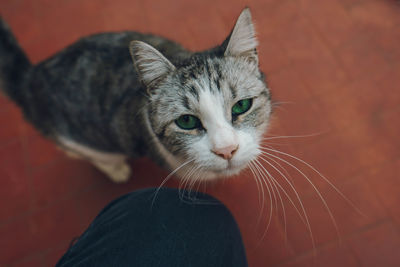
[(333, 65), (330, 256), (61, 179), (378, 246), (39, 231), (360, 57), (376, 15), (51, 256), (322, 13), (286, 85), (10, 121), (385, 180), (348, 219), (41, 151), (36, 260), (16, 187), (310, 55)]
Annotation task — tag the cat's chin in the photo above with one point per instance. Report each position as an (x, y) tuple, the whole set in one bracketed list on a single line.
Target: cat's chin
[(214, 174)]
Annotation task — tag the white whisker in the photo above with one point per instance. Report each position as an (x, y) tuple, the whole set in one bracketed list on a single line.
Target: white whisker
[(268, 181), (305, 220), (279, 196), (187, 178), (167, 178), (313, 186), (259, 186), (320, 175), (292, 136), (286, 194), (260, 201), (269, 193)]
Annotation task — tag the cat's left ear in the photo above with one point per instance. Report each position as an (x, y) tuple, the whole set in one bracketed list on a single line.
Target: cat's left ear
[(242, 40), (151, 65)]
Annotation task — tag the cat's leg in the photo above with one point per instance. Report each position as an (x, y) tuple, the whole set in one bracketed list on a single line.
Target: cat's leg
[(112, 164), (118, 172)]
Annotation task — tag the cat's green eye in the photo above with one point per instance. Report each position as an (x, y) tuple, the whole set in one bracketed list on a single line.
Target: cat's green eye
[(188, 122), (242, 106)]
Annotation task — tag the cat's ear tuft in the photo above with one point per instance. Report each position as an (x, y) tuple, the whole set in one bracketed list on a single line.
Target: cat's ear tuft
[(242, 40), (151, 65)]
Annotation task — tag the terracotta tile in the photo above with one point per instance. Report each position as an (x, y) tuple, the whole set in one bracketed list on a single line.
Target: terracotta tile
[(287, 86), (196, 34), (123, 15), (385, 180), (301, 119), (378, 246), (347, 218), (350, 3), (378, 146), (61, 179), (370, 135), (16, 195), (364, 198), (298, 233), (54, 254), (311, 57), (387, 85), (42, 151), (32, 261), (228, 13), (361, 57), (5, 103), (364, 109), (382, 123), (10, 124), (343, 107), (27, 129), (272, 17), (199, 36), (376, 15), (301, 41), (272, 250), (39, 231), (358, 100), (387, 41), (333, 156), (330, 19), (329, 256), (49, 40), (272, 56), (25, 25)]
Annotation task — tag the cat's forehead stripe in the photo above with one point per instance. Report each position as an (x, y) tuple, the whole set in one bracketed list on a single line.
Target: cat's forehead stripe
[(211, 107)]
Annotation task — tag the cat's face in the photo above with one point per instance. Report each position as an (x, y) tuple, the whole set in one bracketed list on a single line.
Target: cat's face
[(214, 113), (209, 114)]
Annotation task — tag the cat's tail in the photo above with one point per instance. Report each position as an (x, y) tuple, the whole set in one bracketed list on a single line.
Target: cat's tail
[(14, 64)]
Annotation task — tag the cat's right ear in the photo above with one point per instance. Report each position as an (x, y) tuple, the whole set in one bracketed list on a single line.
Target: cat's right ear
[(242, 41), (151, 65)]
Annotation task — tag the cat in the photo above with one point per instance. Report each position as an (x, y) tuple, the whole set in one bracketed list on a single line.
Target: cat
[(200, 112)]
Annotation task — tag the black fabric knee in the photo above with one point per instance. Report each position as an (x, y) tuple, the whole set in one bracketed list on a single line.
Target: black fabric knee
[(163, 229)]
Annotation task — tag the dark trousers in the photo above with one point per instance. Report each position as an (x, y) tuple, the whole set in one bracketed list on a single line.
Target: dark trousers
[(142, 230)]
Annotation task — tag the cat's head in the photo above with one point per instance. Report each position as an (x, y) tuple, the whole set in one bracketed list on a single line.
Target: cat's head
[(209, 113)]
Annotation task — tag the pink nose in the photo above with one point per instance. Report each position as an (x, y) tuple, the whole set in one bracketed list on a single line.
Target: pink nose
[(226, 152)]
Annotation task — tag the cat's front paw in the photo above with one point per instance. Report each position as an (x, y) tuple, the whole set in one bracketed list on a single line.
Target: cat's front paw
[(120, 173)]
